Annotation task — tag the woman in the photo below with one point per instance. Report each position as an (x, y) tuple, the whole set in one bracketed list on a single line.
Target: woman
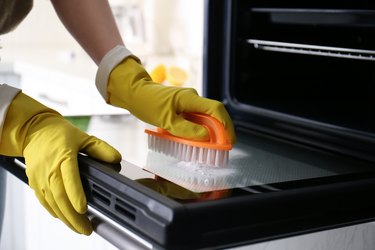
[(50, 144)]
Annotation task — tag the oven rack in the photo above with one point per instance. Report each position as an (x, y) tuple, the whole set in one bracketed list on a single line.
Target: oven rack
[(307, 49)]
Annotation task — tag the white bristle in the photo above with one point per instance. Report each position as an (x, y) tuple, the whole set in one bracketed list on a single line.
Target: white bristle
[(194, 153), (188, 153), (218, 158), (209, 157)]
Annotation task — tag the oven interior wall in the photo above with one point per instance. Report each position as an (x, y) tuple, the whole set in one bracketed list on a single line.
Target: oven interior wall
[(337, 87)]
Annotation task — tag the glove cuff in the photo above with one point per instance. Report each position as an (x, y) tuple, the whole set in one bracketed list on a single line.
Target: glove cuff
[(113, 57)]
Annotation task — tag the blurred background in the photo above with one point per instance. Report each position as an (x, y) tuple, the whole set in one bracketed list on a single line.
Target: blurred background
[(42, 59)]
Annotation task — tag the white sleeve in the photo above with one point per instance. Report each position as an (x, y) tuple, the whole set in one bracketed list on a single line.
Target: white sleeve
[(114, 57), (7, 93)]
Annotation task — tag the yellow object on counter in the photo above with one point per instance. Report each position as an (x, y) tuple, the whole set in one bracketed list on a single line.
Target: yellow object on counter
[(176, 76), (172, 75), (158, 74)]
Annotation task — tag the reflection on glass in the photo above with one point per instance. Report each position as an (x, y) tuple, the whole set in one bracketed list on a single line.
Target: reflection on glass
[(179, 193)]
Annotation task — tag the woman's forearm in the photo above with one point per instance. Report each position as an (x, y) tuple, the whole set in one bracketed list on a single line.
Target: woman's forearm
[(91, 23)]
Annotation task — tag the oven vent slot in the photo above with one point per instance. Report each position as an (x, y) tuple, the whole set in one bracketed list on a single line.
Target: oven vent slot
[(306, 49), (125, 209), (101, 195)]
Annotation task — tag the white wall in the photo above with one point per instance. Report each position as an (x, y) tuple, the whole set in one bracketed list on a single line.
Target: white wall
[(171, 33)]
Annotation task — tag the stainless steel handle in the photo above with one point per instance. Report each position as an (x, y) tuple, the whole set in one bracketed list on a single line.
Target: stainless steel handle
[(115, 234)]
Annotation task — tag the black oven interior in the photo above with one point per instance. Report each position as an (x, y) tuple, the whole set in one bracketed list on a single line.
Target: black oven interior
[(303, 70)]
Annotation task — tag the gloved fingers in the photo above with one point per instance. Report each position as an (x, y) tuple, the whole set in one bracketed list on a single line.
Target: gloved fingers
[(186, 129), (62, 205), (100, 150), (44, 203), (72, 185), (196, 104), (39, 191), (50, 200)]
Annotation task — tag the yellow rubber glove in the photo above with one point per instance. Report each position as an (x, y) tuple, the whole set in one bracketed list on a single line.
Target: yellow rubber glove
[(50, 145), (130, 87)]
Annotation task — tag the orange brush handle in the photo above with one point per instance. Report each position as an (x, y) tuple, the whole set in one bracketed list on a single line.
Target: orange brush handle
[(215, 128), (218, 136)]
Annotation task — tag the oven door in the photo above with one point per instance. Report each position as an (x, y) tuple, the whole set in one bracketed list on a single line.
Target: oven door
[(271, 189)]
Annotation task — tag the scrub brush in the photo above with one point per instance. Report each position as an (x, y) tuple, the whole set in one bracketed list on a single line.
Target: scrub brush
[(214, 152)]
